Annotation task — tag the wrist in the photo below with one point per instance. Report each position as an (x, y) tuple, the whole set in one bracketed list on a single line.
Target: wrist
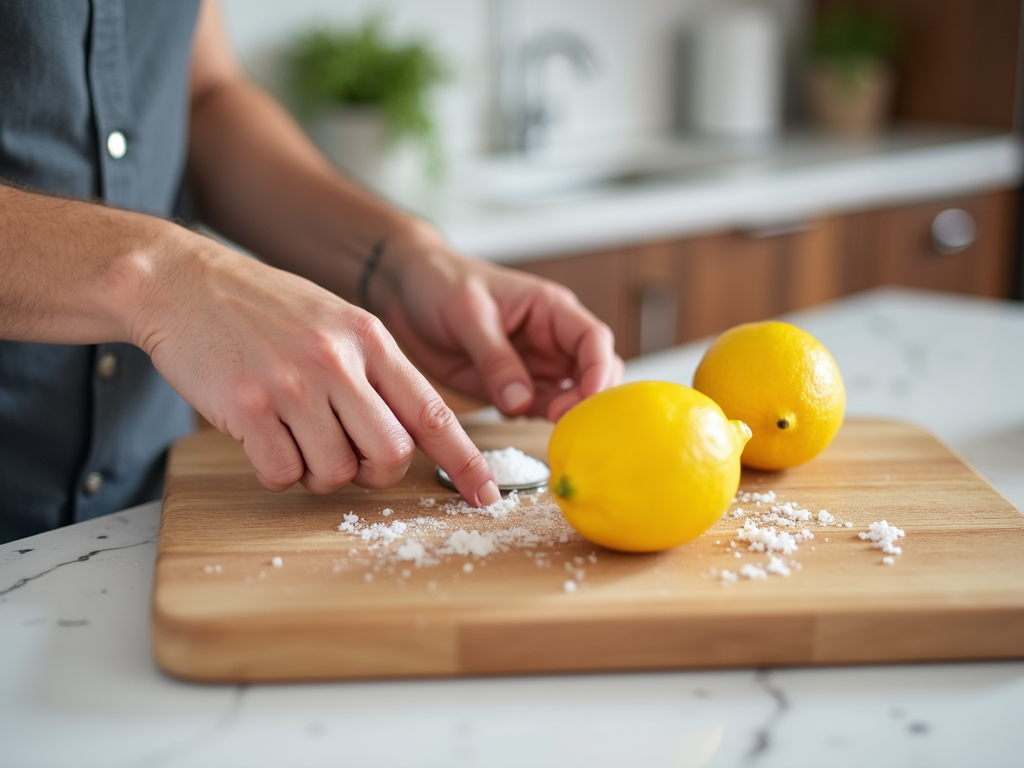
[(157, 277), (412, 245)]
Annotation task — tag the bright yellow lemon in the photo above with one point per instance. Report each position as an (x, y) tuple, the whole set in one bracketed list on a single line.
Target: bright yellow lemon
[(645, 466), (783, 383)]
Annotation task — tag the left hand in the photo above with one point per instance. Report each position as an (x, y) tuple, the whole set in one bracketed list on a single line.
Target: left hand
[(524, 343)]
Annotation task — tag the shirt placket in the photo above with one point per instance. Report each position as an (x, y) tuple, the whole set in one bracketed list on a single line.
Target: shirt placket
[(115, 130)]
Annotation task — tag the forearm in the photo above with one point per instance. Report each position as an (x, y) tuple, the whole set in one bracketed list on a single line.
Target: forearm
[(261, 183), (74, 272)]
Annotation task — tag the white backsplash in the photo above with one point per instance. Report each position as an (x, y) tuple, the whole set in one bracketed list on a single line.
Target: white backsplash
[(633, 95)]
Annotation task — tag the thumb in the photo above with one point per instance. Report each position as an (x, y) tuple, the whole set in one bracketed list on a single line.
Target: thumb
[(502, 370)]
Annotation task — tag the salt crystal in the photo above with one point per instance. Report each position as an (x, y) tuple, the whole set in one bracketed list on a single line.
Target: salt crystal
[(737, 555), (888, 560), (388, 512), (569, 585), (427, 502), (464, 542), (824, 518), (277, 562), (883, 536), (413, 551), (775, 565), (367, 577), (729, 576), (406, 573), (467, 567), (753, 572)]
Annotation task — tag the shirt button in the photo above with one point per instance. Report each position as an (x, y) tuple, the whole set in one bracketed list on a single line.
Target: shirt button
[(106, 366), (93, 482), (117, 144)]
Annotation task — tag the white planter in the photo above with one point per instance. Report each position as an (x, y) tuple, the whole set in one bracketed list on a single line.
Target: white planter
[(355, 140)]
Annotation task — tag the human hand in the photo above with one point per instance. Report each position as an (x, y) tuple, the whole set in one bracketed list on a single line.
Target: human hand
[(524, 343), (315, 389)]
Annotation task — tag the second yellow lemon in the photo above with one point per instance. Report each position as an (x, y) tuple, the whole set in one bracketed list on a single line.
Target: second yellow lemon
[(645, 466), (783, 383)]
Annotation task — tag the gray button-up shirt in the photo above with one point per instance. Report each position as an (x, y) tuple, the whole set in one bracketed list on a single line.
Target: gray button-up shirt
[(93, 105)]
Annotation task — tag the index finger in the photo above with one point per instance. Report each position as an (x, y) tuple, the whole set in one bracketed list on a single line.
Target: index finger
[(434, 428)]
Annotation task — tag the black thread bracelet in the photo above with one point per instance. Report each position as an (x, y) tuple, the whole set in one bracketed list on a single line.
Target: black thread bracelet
[(368, 269)]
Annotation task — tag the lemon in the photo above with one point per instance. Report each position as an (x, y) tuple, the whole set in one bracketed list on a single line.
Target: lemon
[(783, 383), (645, 466)]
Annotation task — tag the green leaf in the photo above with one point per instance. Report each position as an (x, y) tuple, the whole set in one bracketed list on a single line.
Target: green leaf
[(361, 66)]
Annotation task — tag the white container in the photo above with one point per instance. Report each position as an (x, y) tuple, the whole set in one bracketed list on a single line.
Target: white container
[(737, 69)]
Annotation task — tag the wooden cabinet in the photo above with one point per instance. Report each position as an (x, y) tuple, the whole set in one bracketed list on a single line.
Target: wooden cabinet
[(654, 295)]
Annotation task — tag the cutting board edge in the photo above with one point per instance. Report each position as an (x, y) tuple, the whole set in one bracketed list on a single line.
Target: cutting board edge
[(681, 642)]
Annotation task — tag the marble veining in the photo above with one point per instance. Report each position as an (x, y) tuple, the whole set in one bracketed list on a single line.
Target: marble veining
[(78, 685)]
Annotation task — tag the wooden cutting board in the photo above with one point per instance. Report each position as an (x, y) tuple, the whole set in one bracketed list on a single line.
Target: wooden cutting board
[(223, 612)]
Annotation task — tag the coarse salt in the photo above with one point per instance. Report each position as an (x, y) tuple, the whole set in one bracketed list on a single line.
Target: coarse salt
[(412, 551), (464, 542), (277, 562), (884, 536), (569, 585), (513, 467)]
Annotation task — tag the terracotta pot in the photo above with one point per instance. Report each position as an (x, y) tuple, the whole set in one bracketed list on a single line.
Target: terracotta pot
[(852, 100)]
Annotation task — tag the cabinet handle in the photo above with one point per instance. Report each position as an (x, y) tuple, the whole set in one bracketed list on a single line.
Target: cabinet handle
[(658, 310), (953, 231)]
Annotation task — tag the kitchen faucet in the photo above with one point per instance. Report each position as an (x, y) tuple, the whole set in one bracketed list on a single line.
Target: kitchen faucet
[(522, 110)]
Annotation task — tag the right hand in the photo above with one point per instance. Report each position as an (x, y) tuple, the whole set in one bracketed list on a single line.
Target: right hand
[(314, 388)]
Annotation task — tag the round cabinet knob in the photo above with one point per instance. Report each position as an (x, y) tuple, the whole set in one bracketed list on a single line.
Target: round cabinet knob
[(953, 230)]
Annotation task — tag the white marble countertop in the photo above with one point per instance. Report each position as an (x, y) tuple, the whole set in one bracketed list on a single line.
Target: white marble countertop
[(695, 186), (78, 686)]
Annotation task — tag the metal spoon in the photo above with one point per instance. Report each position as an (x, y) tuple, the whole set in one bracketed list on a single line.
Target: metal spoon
[(540, 484)]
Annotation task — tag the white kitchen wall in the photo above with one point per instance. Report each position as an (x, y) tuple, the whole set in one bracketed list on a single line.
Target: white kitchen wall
[(633, 94)]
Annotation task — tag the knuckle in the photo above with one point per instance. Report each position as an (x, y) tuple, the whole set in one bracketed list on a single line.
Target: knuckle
[(397, 453), (252, 398), (339, 473), (556, 293), (371, 331), (436, 416), (291, 383), (476, 467), (285, 474)]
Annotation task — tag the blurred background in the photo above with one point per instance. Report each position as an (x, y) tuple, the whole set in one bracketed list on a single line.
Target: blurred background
[(683, 165)]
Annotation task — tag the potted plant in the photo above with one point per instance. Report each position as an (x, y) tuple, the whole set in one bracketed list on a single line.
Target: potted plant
[(363, 94), (850, 79)]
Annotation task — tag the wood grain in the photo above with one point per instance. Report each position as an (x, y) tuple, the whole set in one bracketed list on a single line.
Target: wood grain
[(957, 592)]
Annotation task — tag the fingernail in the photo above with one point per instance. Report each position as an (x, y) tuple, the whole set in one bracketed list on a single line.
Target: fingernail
[(488, 493), (515, 395)]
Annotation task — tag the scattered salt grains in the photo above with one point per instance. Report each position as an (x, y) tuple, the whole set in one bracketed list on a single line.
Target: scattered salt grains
[(464, 542), (412, 551), (428, 502), (388, 512), (212, 568), (777, 529), (467, 567), (753, 572), (569, 586), (277, 562), (884, 536), (888, 560)]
